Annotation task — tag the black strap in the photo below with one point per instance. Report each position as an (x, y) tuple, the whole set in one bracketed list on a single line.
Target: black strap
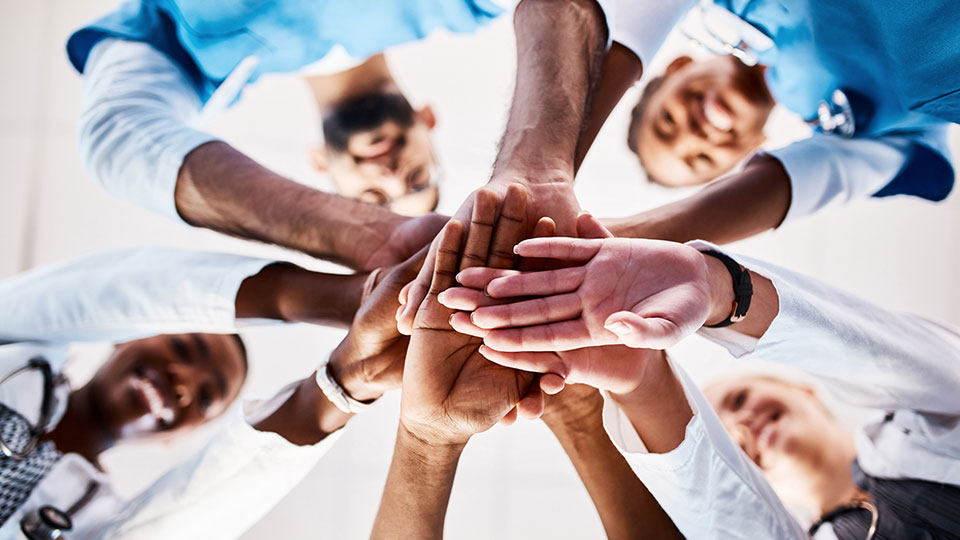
[(742, 289)]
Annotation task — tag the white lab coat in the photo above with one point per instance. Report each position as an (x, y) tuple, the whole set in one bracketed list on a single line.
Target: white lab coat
[(861, 354), (129, 294)]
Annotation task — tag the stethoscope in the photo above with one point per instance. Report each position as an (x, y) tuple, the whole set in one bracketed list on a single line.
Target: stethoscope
[(48, 523), (723, 32)]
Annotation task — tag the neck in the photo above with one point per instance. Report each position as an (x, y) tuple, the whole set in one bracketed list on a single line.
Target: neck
[(79, 431), (370, 77), (834, 486)]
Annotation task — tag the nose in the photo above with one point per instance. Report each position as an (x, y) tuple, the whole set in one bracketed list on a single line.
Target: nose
[(182, 395)]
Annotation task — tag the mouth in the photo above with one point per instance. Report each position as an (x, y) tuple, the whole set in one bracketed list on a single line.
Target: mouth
[(716, 113), (156, 401), (766, 433)]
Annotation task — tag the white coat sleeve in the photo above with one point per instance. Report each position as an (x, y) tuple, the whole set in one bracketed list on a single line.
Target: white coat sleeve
[(870, 356), (643, 26), (707, 485), (136, 124), (830, 170), (223, 490), (125, 294)]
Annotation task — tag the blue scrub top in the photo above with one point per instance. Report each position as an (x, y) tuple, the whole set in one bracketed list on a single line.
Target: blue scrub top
[(209, 38), (898, 62)]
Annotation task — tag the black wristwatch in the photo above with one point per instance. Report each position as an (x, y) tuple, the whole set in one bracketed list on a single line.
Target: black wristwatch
[(742, 289)]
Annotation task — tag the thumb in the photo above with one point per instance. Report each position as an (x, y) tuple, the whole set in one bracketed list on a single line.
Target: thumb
[(635, 331), (589, 227)]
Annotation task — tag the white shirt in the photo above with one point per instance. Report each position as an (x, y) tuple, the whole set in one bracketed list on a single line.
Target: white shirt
[(129, 294), (863, 355)]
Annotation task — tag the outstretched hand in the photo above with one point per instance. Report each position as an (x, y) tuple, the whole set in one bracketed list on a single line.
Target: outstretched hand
[(450, 391), (634, 292)]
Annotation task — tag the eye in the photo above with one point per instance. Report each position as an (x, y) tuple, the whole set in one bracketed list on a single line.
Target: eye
[(181, 349), (668, 118), (739, 400), (707, 160), (374, 196), (204, 399)]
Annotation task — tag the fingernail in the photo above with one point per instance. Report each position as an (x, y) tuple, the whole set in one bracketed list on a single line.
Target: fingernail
[(515, 252), (441, 296), (618, 328), (450, 319), (583, 213), (457, 278)]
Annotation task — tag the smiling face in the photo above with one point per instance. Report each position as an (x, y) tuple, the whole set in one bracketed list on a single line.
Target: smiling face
[(378, 150), (781, 426), (700, 120), (167, 383)]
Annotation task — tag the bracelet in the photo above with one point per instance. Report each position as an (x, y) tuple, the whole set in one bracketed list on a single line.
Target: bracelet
[(335, 393), (742, 289)]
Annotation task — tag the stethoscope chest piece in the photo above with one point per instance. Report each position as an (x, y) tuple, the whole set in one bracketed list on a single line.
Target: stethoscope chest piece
[(47, 524)]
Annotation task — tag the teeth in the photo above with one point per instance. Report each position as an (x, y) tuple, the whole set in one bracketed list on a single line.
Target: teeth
[(154, 399), (717, 117)]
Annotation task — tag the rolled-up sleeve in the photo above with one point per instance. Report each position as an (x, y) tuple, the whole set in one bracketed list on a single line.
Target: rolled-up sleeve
[(707, 485), (829, 170), (871, 356), (125, 294), (136, 126), (643, 26)]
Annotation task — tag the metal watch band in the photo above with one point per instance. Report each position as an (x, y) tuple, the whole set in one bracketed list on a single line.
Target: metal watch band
[(742, 289), (335, 393)]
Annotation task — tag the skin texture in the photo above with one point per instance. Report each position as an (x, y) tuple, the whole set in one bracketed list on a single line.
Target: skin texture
[(195, 376), (450, 392), (703, 119), (790, 435), (560, 49), (626, 508), (219, 188), (390, 165)]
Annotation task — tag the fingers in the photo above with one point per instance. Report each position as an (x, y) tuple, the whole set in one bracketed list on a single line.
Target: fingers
[(416, 291), (481, 229), (568, 249), (589, 227), (532, 403), (535, 362), (635, 331), (548, 309), (466, 299), (509, 418), (564, 280), (544, 228), (562, 336), (478, 278), (551, 383), (448, 254), (460, 321), (509, 230)]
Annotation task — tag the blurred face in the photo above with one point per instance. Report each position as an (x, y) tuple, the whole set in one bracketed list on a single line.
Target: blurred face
[(167, 383), (379, 151), (702, 121), (783, 427)]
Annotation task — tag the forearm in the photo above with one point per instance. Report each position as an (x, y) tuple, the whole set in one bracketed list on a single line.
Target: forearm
[(732, 208), (657, 407), (626, 507), (560, 46), (287, 292), (306, 417), (621, 69), (222, 189), (414, 503)]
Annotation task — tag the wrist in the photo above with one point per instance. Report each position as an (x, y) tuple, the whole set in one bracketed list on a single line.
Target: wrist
[(427, 446), (721, 290), (351, 376)]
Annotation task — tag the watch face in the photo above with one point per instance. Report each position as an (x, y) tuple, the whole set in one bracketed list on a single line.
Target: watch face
[(55, 518)]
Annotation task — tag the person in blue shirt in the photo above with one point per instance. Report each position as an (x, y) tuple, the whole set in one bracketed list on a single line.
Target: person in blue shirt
[(152, 68)]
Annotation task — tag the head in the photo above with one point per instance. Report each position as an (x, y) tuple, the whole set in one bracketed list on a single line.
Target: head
[(783, 427), (167, 384), (377, 149), (699, 119)]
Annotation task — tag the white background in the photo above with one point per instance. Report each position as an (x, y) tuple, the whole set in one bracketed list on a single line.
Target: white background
[(513, 482)]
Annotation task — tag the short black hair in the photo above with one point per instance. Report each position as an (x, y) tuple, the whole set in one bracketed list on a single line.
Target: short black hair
[(243, 353), (364, 113)]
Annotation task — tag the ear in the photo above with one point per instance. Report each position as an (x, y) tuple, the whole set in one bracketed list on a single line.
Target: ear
[(318, 157), (427, 117), (677, 64)]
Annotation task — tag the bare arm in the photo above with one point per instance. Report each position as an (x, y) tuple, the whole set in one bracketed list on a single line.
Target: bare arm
[(626, 508), (732, 208)]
